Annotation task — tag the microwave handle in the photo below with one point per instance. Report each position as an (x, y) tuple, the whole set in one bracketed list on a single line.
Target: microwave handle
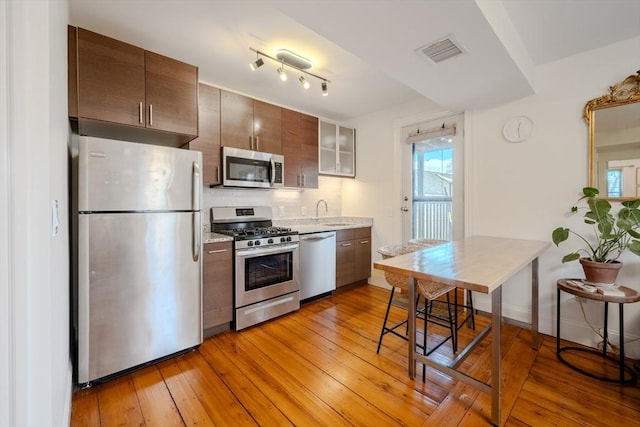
[(272, 171)]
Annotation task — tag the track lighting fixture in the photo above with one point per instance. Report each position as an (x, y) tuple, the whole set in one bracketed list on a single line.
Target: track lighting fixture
[(257, 64), (293, 61)]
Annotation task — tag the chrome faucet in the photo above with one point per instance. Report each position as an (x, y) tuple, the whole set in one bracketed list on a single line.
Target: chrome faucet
[(326, 208)]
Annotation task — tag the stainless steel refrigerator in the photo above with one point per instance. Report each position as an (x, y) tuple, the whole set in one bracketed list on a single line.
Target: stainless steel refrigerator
[(139, 271)]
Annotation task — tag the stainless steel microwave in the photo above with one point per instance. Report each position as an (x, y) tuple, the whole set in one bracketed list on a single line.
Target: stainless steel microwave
[(254, 169)]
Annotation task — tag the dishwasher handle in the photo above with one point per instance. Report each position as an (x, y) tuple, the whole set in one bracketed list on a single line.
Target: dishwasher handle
[(317, 236)]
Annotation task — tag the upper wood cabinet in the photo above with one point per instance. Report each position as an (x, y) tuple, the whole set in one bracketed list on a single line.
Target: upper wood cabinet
[(337, 150), (171, 94), (250, 124), (208, 140), (300, 149), (120, 84)]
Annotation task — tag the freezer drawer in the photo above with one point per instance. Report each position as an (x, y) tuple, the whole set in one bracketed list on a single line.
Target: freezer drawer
[(139, 290)]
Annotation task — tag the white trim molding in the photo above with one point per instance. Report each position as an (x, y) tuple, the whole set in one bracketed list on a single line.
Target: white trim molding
[(7, 356)]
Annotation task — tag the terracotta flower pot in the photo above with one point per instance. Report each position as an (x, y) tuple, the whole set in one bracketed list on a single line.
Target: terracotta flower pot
[(604, 273)]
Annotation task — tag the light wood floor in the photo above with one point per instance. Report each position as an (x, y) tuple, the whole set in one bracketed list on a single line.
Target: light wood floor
[(319, 366)]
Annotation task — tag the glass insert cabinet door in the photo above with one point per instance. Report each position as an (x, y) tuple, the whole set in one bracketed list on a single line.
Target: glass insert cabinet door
[(337, 150)]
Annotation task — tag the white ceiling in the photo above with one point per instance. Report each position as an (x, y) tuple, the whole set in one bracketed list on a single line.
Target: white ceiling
[(366, 48)]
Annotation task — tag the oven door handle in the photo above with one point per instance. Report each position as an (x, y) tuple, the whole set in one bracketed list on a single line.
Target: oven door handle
[(244, 253)]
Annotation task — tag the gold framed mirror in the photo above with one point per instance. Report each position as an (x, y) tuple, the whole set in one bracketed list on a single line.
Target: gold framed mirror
[(614, 140)]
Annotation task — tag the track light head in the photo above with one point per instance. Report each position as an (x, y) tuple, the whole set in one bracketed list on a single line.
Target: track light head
[(325, 92), (257, 64), (305, 83), (282, 74)]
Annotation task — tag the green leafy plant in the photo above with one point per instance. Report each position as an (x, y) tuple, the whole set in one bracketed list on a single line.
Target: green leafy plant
[(613, 234)]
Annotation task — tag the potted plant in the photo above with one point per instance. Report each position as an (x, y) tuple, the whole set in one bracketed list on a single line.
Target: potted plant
[(613, 236)]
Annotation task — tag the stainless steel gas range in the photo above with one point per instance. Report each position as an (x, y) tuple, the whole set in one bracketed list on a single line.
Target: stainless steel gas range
[(266, 263)]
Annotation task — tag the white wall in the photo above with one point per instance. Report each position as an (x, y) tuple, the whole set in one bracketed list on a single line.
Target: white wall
[(36, 370), (525, 190), (521, 190)]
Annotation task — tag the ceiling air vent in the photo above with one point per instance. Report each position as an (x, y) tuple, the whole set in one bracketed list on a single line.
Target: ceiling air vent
[(441, 50)]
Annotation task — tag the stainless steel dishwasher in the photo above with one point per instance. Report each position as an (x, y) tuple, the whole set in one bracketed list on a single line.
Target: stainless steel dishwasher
[(317, 264)]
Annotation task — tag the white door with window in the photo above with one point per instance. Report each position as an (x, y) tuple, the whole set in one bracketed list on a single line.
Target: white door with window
[(432, 181)]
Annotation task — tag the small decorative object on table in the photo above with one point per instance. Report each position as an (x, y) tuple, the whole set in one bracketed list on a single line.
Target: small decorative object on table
[(613, 236)]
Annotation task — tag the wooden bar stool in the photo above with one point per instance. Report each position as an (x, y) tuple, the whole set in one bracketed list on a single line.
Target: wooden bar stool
[(396, 281), (468, 305), (430, 291)]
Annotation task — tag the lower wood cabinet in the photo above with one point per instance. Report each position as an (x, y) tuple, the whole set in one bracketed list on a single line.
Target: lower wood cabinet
[(217, 285), (362, 263), (353, 256)]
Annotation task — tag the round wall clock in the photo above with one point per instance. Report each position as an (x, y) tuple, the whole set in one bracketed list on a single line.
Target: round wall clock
[(517, 129)]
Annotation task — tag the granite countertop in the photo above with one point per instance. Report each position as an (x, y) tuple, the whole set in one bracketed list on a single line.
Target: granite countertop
[(302, 226), (208, 237), (317, 225)]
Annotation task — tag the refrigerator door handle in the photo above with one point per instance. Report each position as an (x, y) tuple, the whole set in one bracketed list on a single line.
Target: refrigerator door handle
[(197, 228), (195, 187), (197, 234)]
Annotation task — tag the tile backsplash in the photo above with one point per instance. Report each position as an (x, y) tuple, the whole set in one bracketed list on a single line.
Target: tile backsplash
[(284, 203)]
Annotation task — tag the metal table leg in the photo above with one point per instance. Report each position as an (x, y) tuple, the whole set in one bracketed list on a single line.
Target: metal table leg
[(412, 327), (496, 354), (534, 303)]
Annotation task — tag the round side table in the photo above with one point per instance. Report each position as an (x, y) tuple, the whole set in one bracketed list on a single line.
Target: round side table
[(630, 296)]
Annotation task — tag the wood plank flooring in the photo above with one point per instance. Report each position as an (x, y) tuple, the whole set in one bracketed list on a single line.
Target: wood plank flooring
[(319, 367)]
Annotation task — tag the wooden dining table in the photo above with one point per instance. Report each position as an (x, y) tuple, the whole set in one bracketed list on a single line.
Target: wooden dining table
[(480, 264)]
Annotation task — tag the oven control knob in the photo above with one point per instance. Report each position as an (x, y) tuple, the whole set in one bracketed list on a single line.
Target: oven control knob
[(249, 243), (289, 239), (282, 239), (257, 243), (270, 241)]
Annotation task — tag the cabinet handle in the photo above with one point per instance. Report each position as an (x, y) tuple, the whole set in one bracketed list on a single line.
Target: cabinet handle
[(250, 143), (303, 180), (150, 114), (362, 242), (257, 143), (346, 244), (217, 251), (140, 113)]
